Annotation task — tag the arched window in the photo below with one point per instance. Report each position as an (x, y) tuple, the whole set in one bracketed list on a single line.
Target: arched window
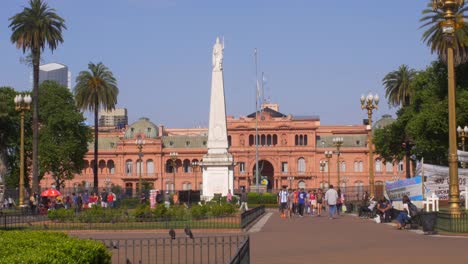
[(401, 167), (305, 140), (343, 166), (128, 167), (251, 140), (139, 167), (301, 166), (86, 166), (356, 166), (389, 166), (359, 185), (296, 140), (268, 140), (186, 186), (361, 166), (111, 166), (169, 186), (229, 140), (378, 165), (149, 167), (262, 140), (186, 165), (275, 140), (301, 140), (169, 168), (102, 165)]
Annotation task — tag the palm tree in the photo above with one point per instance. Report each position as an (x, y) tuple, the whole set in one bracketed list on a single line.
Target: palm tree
[(95, 89), (434, 37), (398, 88), (33, 29)]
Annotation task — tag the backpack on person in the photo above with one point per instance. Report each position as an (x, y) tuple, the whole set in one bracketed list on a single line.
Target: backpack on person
[(413, 209)]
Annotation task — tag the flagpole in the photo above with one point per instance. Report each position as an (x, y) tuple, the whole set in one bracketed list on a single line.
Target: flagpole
[(256, 120)]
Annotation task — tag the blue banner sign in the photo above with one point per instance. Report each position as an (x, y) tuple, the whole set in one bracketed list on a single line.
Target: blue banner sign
[(411, 187)]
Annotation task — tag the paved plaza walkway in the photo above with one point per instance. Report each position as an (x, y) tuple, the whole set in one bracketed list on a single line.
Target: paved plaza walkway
[(349, 239)]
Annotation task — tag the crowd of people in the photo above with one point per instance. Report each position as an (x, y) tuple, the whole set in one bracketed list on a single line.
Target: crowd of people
[(299, 202), (76, 201)]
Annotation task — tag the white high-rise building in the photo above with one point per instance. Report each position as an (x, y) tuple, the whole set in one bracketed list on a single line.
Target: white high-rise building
[(55, 72), (115, 118)]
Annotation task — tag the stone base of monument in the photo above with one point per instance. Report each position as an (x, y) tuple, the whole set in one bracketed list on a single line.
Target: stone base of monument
[(218, 176)]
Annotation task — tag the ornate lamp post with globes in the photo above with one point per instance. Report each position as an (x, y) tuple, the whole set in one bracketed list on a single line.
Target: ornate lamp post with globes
[(173, 156), (338, 142), (22, 104), (195, 165), (328, 155), (448, 8), (140, 142), (370, 103), (462, 134), (322, 169)]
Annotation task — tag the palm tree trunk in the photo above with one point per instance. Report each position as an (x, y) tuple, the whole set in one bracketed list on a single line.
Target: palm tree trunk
[(36, 53), (96, 128)]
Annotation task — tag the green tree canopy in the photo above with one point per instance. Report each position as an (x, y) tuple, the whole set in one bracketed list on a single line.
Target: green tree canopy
[(95, 89), (36, 27), (398, 87), (64, 137)]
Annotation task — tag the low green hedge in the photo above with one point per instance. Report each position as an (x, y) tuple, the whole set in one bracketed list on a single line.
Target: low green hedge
[(49, 247), (95, 214), (261, 198), (212, 209)]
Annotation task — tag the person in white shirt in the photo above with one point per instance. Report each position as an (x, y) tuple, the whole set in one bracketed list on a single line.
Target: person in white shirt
[(331, 196), (283, 197)]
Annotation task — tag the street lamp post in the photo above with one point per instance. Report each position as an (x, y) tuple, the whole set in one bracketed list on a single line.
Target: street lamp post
[(22, 104), (338, 142), (370, 103), (290, 179), (462, 134), (322, 169), (328, 155), (139, 143), (173, 156), (448, 8), (195, 166)]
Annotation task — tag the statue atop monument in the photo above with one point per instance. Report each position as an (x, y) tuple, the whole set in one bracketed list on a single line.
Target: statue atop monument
[(218, 55)]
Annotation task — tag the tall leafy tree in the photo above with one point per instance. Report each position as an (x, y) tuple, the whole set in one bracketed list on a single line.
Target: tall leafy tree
[(36, 27), (434, 37), (64, 136), (398, 88), (95, 89)]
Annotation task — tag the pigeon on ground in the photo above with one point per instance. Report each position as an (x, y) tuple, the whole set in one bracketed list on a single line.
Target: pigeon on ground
[(172, 233), (188, 232)]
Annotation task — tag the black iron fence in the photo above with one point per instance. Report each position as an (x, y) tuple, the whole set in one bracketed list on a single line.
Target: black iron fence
[(200, 250), (117, 219), (456, 223), (248, 217)]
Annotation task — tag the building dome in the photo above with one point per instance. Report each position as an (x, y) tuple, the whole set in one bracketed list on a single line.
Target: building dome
[(383, 122), (142, 126)]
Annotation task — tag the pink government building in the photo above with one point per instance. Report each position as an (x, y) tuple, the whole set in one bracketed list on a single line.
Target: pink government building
[(291, 149)]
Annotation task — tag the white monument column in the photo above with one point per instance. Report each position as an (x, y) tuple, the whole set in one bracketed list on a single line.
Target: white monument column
[(217, 163)]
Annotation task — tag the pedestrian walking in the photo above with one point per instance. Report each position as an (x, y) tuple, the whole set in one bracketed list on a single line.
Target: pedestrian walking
[(301, 200), (331, 197), (283, 201), (313, 202), (319, 198), (243, 199)]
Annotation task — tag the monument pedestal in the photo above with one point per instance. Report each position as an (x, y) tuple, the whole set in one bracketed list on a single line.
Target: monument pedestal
[(218, 176)]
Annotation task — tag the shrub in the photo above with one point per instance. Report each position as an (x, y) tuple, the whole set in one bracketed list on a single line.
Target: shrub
[(160, 211), (98, 214), (261, 198), (61, 215), (49, 247), (252, 198), (177, 212), (142, 211), (198, 211)]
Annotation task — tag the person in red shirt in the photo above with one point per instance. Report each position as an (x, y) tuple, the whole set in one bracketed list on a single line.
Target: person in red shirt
[(110, 199)]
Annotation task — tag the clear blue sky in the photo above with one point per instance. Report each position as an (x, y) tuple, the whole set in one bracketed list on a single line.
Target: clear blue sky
[(318, 56)]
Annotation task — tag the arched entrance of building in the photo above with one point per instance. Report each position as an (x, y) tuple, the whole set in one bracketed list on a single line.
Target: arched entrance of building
[(266, 171)]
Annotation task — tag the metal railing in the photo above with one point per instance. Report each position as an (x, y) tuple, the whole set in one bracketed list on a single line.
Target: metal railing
[(200, 250), (452, 223), (248, 217)]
